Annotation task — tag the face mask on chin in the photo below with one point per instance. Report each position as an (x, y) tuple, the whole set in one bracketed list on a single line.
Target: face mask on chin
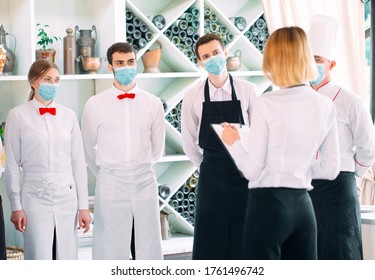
[(125, 75), (215, 64), (321, 75)]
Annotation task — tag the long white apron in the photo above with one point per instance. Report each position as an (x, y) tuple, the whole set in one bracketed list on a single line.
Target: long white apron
[(120, 196), (50, 202)]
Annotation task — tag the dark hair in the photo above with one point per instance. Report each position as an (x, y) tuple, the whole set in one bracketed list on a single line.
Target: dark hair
[(206, 39), (119, 47), (37, 70)]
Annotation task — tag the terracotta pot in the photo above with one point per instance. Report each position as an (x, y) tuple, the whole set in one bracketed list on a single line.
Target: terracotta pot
[(45, 54)]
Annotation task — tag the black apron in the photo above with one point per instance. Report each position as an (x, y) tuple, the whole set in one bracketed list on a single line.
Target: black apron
[(222, 197), (338, 218)]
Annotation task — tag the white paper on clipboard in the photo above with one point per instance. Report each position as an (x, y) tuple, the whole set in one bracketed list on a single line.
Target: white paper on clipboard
[(242, 129)]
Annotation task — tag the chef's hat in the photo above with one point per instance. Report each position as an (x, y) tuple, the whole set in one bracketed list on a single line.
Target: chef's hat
[(322, 35)]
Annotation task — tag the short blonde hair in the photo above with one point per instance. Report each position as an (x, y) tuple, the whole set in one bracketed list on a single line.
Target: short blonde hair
[(288, 59)]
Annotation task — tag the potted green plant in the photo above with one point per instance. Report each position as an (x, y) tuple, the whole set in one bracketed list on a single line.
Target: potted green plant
[(45, 41)]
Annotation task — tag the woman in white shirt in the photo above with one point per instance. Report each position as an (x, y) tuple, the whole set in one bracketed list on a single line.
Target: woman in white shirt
[(43, 139), (293, 138)]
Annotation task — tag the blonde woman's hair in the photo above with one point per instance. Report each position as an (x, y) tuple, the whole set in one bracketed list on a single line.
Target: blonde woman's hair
[(37, 70), (287, 57)]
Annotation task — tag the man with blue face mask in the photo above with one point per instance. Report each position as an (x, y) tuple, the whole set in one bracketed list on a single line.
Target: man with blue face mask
[(336, 202), (123, 135), (221, 202)]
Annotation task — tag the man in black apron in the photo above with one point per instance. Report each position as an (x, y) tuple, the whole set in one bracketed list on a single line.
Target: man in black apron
[(221, 201)]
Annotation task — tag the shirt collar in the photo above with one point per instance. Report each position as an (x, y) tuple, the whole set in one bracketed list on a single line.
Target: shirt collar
[(118, 91), (226, 87), (36, 104)]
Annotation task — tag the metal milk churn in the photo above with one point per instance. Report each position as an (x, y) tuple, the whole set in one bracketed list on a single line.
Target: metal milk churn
[(70, 52), (10, 56), (86, 43)]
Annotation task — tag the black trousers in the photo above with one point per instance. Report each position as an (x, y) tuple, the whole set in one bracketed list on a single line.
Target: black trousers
[(3, 255), (338, 217), (279, 224)]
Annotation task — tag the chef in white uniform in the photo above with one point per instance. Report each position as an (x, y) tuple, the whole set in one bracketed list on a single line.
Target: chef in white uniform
[(123, 132), (3, 255), (287, 127), (43, 139), (336, 202)]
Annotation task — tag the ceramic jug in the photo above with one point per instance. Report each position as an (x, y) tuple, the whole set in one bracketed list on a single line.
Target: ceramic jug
[(10, 56)]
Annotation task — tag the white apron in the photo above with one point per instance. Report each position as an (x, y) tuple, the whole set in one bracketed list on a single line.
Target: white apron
[(119, 196), (49, 202)]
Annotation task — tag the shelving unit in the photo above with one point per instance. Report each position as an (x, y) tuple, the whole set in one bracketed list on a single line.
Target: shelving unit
[(178, 72)]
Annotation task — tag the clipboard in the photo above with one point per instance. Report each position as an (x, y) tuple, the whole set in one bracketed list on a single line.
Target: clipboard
[(243, 130)]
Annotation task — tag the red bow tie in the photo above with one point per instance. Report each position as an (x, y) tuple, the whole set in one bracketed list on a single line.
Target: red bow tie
[(52, 111), (126, 95)]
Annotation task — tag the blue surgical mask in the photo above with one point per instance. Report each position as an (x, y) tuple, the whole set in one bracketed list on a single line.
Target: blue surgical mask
[(215, 64), (321, 74), (125, 75), (48, 91)]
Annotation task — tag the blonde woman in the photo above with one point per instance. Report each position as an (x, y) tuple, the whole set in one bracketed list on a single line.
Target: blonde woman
[(288, 127), (43, 139)]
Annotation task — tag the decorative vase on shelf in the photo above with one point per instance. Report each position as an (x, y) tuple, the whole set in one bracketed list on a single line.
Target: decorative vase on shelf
[(86, 44), (10, 56), (3, 59), (151, 59), (45, 54), (70, 52)]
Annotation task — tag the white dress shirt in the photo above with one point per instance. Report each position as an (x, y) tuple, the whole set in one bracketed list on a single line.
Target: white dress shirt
[(125, 133), (43, 144), (287, 129), (355, 129), (192, 107)]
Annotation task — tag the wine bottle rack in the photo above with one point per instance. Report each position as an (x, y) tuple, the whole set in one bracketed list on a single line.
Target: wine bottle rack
[(212, 24), (174, 117), (184, 200), (183, 33), (138, 34), (258, 33), (178, 70)]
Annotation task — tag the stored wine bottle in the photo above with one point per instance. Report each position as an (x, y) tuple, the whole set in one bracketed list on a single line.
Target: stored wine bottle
[(249, 34), (207, 23), (182, 34), (137, 34), (191, 208), (164, 191), (194, 11), (223, 30), (188, 42), (229, 37), (214, 27), (191, 196), (130, 28), (240, 23), (176, 40), (175, 29), (187, 16), (174, 203), (185, 203), (195, 24), (260, 23), (207, 10), (190, 30), (143, 27), (129, 15), (255, 41), (136, 21), (189, 53), (213, 17), (159, 21), (141, 42), (168, 33), (148, 36), (182, 24), (179, 195)]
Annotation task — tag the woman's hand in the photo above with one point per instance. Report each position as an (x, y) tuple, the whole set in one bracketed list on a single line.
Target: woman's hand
[(84, 219), (18, 218), (230, 134)]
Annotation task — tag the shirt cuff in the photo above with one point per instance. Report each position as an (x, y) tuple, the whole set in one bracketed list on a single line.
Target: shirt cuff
[(83, 204), (16, 205)]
